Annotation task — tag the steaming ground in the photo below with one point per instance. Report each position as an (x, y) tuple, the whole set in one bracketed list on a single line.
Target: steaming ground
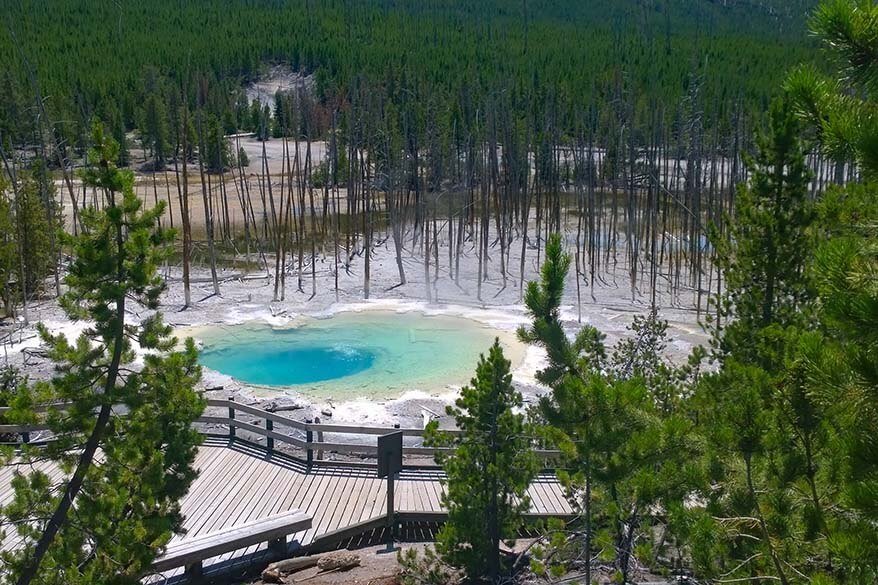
[(249, 297)]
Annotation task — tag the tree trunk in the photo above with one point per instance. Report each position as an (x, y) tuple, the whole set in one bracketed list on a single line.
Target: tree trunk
[(208, 212), (86, 458), (184, 211)]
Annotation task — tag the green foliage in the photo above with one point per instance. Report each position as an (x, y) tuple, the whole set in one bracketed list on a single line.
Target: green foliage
[(114, 512), (243, 160), (774, 462), (770, 453), (281, 124), (790, 418), (840, 367), (626, 446), (763, 256), (11, 384), (261, 120), (836, 364), (27, 234), (841, 108), (331, 172), (87, 54), (34, 229), (153, 126), (213, 146), (488, 470), (428, 569), (116, 123), (641, 355)]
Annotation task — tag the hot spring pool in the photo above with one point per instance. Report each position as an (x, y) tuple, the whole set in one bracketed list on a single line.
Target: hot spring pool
[(371, 353)]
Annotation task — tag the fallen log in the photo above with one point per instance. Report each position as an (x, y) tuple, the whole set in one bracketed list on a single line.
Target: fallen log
[(325, 562), (338, 561), (275, 572)]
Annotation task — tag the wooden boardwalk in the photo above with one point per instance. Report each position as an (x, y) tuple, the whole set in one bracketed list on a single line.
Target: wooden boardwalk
[(240, 482)]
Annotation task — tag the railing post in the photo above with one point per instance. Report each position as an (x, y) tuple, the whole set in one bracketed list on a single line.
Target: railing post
[(391, 513), (194, 572), (25, 437), (319, 439), (231, 418), (269, 426), (309, 437), (278, 547)]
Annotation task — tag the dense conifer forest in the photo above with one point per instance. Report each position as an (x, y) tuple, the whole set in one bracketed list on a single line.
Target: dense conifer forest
[(92, 57)]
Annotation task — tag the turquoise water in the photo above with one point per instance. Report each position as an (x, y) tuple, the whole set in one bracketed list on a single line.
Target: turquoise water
[(279, 363), (354, 354)]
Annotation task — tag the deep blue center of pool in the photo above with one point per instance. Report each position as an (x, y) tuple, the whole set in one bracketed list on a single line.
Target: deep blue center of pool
[(272, 365)]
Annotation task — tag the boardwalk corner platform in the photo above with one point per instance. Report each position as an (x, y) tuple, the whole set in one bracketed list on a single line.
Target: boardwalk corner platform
[(253, 501)]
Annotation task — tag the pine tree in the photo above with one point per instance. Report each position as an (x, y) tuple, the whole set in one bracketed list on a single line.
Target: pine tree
[(116, 122), (765, 431), (844, 381), (33, 230), (254, 117), (154, 129), (842, 108), (280, 125), (622, 453), (763, 256), (839, 361), (489, 468), (113, 513), (214, 144), (243, 160), (737, 423)]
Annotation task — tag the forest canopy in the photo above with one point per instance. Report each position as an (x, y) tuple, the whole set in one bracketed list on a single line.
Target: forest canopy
[(92, 57)]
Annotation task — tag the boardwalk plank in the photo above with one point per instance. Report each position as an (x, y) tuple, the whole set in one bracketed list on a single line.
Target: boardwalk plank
[(377, 502), (219, 500), (316, 496), (239, 484), (226, 470), (436, 497), (536, 498), (337, 502), (250, 506), (355, 502), (556, 495)]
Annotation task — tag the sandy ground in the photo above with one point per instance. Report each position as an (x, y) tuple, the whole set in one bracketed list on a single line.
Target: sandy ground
[(226, 192)]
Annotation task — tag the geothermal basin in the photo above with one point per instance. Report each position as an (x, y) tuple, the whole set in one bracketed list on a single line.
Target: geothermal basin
[(354, 354)]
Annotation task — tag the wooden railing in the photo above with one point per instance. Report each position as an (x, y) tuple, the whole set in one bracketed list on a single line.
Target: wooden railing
[(24, 431), (309, 437)]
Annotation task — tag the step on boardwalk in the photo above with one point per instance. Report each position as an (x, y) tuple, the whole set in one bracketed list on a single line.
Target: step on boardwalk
[(240, 483)]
